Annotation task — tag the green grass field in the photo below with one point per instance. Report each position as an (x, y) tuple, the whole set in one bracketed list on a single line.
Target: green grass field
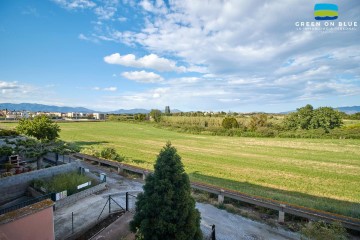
[(317, 173)]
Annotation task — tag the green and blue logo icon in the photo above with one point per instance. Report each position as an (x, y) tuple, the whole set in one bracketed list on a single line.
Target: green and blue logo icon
[(326, 11)]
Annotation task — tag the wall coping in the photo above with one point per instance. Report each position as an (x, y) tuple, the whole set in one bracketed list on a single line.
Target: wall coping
[(25, 211)]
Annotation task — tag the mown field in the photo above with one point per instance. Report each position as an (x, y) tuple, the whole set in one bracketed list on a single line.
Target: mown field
[(317, 173)]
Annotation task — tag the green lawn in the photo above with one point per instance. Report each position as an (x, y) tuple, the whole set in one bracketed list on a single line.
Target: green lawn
[(316, 173)]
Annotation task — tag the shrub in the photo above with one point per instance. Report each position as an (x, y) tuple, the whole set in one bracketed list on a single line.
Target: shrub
[(111, 154), (229, 122), (5, 151), (324, 231), (8, 132)]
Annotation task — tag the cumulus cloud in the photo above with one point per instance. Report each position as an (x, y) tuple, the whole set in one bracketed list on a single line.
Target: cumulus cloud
[(75, 4), (151, 61), (143, 76), (248, 51)]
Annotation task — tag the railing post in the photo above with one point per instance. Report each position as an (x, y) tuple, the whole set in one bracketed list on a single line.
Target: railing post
[(127, 202), (282, 214), (72, 221), (213, 235), (221, 197), (109, 204)]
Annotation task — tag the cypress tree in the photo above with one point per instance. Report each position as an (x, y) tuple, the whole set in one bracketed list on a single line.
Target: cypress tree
[(166, 210)]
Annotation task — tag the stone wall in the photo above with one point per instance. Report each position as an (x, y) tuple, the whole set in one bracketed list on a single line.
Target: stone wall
[(75, 197), (15, 186)]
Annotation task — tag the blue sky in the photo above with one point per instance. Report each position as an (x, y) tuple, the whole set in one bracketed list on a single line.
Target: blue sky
[(215, 55)]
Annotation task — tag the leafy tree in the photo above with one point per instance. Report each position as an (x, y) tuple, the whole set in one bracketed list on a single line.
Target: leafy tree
[(155, 114), (166, 209), (33, 148), (305, 114), (41, 127), (326, 118), (43, 133), (291, 121), (229, 122), (308, 118)]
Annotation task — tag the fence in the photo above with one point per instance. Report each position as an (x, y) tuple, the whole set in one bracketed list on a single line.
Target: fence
[(209, 232), (75, 197), (24, 204), (73, 225), (58, 159), (282, 207), (130, 202)]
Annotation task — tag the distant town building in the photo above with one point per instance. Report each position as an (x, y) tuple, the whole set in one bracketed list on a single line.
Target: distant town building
[(99, 116)]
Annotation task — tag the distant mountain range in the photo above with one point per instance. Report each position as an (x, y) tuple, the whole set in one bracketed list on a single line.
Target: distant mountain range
[(33, 107), (349, 110)]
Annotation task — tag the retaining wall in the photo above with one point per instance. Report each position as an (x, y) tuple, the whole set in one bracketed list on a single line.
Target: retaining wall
[(15, 186), (75, 197)]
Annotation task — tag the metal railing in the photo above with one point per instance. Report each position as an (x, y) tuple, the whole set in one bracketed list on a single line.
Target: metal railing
[(313, 214), (26, 203)]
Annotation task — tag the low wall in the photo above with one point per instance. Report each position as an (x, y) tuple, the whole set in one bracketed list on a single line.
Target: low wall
[(15, 186), (75, 197), (35, 221)]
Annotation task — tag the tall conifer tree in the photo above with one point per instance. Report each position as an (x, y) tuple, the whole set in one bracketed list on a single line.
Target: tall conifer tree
[(166, 210)]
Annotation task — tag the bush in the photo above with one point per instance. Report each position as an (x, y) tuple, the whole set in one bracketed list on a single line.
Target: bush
[(91, 151), (324, 231), (229, 122), (111, 154), (5, 151), (7, 133)]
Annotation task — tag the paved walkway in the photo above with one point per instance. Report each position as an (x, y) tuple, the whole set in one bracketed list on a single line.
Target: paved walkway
[(228, 226)]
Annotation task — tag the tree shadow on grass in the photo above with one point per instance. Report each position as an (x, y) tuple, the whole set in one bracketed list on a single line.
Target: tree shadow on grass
[(351, 209), (138, 161), (83, 144)]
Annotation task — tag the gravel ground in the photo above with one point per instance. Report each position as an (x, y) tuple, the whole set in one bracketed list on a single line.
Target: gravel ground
[(228, 226)]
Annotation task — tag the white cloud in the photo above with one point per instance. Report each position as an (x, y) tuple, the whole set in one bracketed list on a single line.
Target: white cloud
[(105, 13), (158, 7), (143, 76), (10, 86), (248, 51), (75, 4), (151, 61), (109, 89)]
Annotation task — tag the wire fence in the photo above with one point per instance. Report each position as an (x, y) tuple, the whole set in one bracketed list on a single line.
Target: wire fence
[(130, 202), (76, 223)]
